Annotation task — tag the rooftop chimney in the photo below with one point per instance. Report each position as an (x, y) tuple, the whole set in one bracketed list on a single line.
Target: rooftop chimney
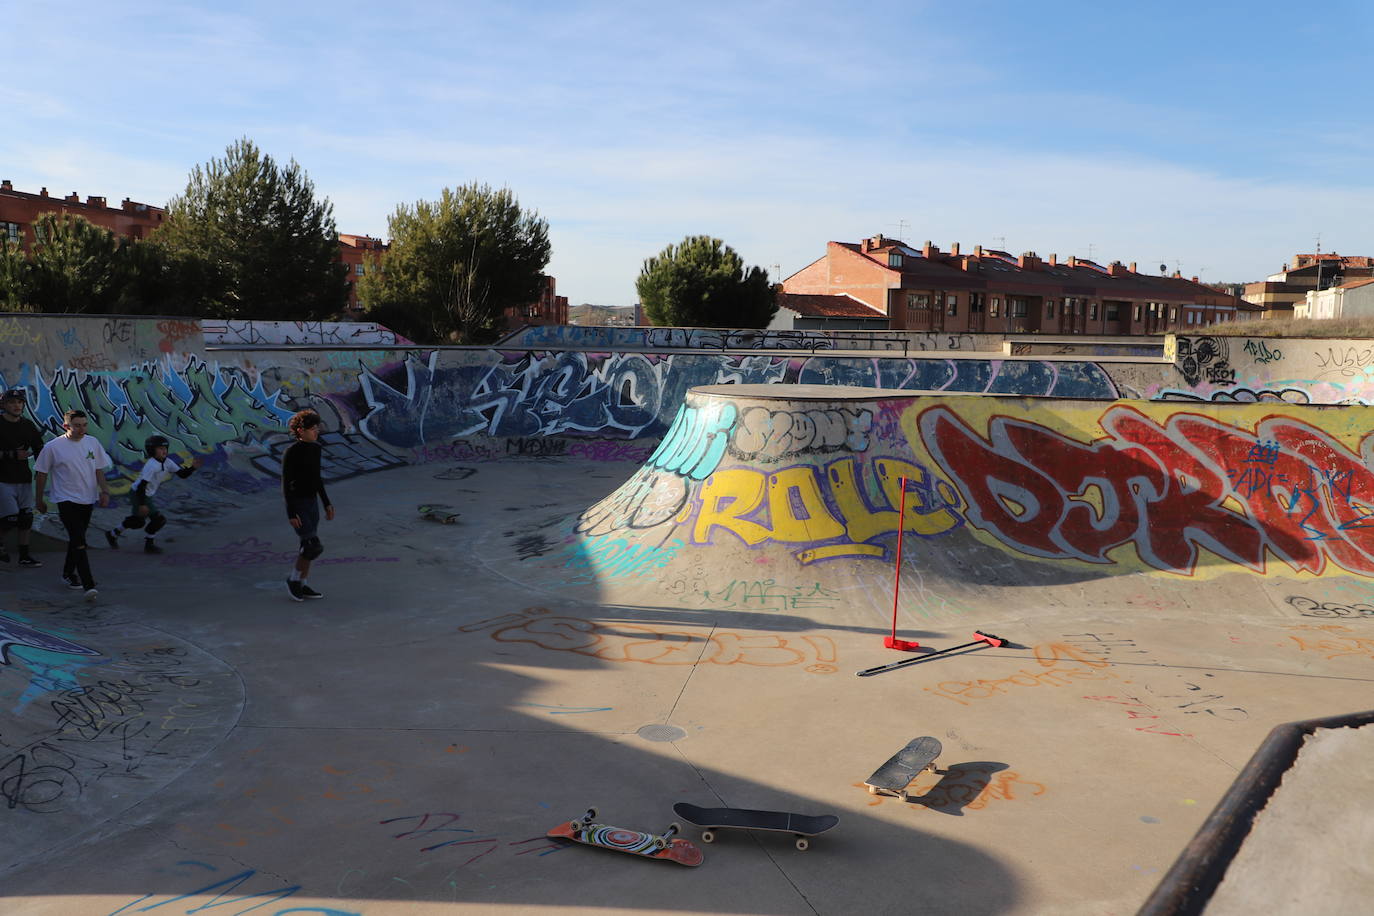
[(1116, 269), (1133, 270), (929, 250), (977, 251), (1054, 260), (1028, 261), (954, 248), (93, 201), (43, 192), (73, 198), (6, 186)]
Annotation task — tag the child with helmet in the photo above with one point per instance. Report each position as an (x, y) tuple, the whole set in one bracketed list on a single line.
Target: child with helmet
[(157, 470)]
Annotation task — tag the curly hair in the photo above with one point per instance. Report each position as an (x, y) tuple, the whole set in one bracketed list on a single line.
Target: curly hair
[(302, 419)]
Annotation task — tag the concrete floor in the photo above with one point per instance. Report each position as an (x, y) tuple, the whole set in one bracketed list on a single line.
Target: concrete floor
[(200, 742)]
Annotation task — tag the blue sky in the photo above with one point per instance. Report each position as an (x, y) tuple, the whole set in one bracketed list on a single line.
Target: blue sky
[(1219, 138)]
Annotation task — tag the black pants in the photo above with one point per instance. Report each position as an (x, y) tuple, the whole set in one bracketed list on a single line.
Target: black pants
[(76, 518)]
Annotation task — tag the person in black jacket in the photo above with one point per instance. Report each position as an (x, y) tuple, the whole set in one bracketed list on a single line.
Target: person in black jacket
[(20, 440), (303, 489)]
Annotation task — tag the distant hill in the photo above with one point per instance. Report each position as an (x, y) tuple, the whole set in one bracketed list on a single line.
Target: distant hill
[(588, 314)]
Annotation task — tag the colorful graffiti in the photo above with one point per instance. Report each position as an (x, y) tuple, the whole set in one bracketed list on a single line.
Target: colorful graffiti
[(831, 510), (1167, 490)]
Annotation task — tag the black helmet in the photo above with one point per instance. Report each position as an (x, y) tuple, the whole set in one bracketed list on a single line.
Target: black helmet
[(14, 394), (153, 443)]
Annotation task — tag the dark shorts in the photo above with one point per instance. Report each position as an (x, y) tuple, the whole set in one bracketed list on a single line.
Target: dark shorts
[(308, 511)]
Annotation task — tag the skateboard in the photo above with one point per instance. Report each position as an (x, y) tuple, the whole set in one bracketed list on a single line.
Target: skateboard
[(435, 512), (583, 830), (710, 820), (901, 768)]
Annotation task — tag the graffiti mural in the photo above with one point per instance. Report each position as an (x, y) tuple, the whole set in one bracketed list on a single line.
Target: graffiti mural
[(1178, 491)]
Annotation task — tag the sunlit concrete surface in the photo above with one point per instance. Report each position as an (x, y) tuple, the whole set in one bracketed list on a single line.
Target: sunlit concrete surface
[(654, 596), (408, 739)]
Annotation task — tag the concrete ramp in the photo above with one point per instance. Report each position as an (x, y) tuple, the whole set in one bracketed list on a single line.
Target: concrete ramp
[(786, 498)]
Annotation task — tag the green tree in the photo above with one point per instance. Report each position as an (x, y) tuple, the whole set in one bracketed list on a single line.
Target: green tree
[(255, 235), (701, 283), (74, 266), (456, 264), (14, 277)]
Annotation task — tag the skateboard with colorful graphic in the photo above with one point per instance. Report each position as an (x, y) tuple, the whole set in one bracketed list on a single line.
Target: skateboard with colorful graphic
[(584, 830), (801, 826), (437, 512), (893, 777)]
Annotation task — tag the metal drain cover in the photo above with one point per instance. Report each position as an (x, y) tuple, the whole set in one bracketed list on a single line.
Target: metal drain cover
[(661, 733)]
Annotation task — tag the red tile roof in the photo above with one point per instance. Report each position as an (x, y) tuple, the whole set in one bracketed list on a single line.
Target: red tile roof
[(822, 306)]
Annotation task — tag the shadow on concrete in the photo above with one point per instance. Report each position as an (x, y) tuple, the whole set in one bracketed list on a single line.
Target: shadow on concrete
[(390, 748)]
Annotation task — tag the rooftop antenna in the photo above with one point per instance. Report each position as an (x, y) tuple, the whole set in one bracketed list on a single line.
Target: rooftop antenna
[(901, 225), (1319, 243), (1163, 268), (777, 272), (1001, 242), (1091, 246)]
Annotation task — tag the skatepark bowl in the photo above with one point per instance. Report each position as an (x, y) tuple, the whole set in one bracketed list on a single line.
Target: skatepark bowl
[(667, 570)]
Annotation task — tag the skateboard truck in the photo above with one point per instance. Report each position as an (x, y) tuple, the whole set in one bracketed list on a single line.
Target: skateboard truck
[(979, 638)]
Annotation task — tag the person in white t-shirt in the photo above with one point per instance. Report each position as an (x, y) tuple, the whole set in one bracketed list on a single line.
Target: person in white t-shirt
[(157, 470), (76, 462)]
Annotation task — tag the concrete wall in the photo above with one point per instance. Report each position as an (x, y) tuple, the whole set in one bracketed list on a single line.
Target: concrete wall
[(1295, 369), (1039, 497), (388, 406)]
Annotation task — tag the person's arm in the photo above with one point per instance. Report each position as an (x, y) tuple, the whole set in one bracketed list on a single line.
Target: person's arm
[(103, 463), (319, 486), (40, 479), (35, 441)]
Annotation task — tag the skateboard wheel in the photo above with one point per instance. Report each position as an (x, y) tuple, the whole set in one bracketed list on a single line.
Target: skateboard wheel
[(589, 816), (708, 836), (872, 790), (660, 843), (803, 843)]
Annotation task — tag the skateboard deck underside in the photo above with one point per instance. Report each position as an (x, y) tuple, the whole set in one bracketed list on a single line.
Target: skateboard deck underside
[(631, 841)]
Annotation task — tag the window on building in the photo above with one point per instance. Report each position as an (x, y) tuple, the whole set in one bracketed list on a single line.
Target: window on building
[(12, 232), (894, 259), (1173, 314), (358, 269), (1016, 308), (996, 306), (1137, 313), (1113, 312), (1092, 311), (1190, 317), (975, 303), (1049, 308), (951, 305)]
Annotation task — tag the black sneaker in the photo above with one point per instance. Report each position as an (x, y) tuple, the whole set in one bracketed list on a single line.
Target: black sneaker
[(296, 589), (309, 592), (150, 547), (73, 582), (29, 562), (112, 539)]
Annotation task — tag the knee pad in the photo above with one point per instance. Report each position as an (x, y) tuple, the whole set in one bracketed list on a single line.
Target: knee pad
[(8, 521), (135, 522), (311, 548), (25, 519), (155, 523)]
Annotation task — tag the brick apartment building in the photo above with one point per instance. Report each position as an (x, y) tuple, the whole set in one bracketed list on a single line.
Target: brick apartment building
[(995, 292), (356, 251), (18, 210), (549, 308), (1277, 295)]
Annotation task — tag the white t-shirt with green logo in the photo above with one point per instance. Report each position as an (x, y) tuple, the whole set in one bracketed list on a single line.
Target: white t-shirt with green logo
[(71, 466)]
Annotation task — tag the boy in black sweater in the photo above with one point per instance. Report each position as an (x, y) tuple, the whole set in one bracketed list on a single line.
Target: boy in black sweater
[(303, 489), (20, 440)]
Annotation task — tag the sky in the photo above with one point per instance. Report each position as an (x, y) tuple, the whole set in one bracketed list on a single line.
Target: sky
[(1219, 138)]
